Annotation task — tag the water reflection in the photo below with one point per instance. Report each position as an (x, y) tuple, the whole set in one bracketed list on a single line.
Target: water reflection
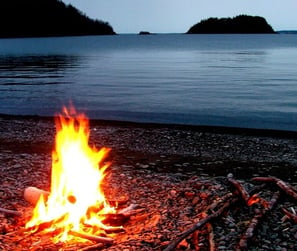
[(29, 69), (29, 82)]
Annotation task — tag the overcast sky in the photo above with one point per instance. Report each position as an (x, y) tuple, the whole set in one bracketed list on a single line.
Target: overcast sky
[(177, 16)]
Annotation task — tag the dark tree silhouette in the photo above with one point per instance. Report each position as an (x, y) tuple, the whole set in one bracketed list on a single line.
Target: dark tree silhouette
[(239, 24), (39, 18)]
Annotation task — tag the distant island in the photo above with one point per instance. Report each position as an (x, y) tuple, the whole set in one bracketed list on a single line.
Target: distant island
[(242, 24), (45, 18), (144, 33)]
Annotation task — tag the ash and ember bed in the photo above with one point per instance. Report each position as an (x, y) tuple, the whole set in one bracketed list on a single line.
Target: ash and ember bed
[(172, 186)]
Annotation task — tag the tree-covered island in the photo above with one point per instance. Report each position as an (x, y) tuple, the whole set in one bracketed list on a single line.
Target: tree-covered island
[(242, 24), (45, 18)]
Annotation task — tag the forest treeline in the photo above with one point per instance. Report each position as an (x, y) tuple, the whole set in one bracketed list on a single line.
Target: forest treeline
[(43, 18), (240, 24)]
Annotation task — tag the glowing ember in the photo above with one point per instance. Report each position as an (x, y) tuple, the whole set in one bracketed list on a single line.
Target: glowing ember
[(253, 200), (76, 201)]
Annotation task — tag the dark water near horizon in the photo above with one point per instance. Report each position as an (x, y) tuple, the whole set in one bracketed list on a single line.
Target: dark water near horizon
[(221, 80)]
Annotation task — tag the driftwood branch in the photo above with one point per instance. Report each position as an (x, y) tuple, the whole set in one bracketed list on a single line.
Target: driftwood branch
[(288, 189), (10, 212), (195, 238), (213, 205), (212, 246), (290, 215), (249, 200), (173, 244), (243, 243), (239, 188)]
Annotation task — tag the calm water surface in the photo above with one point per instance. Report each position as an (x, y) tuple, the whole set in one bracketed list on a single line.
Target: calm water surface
[(227, 80)]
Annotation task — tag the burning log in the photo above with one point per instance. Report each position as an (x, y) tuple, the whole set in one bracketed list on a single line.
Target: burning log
[(289, 190), (10, 212), (32, 195), (173, 244), (255, 221)]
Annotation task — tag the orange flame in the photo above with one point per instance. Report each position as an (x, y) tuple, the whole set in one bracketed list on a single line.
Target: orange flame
[(75, 199), (253, 200)]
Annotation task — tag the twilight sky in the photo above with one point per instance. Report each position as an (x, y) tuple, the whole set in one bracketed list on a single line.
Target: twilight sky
[(177, 16)]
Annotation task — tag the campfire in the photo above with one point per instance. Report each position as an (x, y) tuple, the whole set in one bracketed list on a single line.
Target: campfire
[(75, 207)]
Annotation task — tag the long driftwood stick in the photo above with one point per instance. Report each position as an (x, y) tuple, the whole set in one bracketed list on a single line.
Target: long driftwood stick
[(94, 238), (288, 189), (243, 243), (10, 212), (173, 244)]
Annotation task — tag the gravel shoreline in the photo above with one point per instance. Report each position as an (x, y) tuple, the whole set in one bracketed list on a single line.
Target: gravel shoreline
[(214, 151), (163, 161)]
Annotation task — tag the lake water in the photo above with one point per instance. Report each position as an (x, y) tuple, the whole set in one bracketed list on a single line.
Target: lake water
[(226, 80)]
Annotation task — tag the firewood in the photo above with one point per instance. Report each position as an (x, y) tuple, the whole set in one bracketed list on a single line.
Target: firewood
[(128, 211), (32, 195), (99, 239), (113, 219), (44, 225), (210, 233), (92, 247), (221, 199), (288, 189), (212, 246), (195, 237), (290, 215), (249, 200), (173, 244), (243, 243), (243, 193), (10, 212)]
